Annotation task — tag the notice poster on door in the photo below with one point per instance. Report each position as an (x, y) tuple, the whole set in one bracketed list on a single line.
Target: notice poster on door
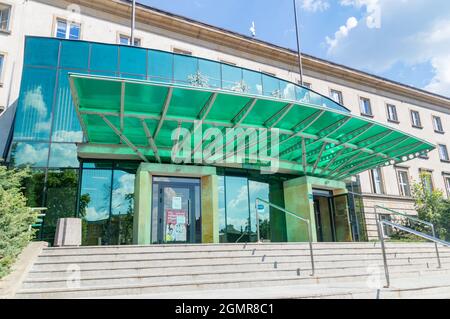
[(176, 230)]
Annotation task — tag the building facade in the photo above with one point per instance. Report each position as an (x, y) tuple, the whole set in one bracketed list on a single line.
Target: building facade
[(50, 63)]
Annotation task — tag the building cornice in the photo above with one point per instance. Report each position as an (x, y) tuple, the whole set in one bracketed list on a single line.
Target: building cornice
[(204, 32)]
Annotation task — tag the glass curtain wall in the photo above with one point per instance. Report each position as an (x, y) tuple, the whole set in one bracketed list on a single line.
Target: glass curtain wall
[(106, 203), (237, 211)]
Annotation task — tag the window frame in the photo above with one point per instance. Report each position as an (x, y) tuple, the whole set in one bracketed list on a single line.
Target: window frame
[(401, 192), (426, 171), (8, 23), (388, 105), (445, 160), (372, 181), (419, 126), (447, 183), (68, 27), (340, 95), (436, 129), (181, 51), (363, 113), (2, 67), (138, 39)]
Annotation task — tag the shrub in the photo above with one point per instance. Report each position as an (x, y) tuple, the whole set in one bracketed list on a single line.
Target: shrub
[(15, 217)]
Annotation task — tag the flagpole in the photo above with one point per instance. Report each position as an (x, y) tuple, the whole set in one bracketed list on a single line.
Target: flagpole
[(299, 55), (133, 21)]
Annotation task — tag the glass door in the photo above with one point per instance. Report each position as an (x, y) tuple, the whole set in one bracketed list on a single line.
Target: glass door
[(341, 218), (178, 212)]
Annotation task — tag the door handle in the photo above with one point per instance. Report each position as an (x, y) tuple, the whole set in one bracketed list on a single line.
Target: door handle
[(189, 213)]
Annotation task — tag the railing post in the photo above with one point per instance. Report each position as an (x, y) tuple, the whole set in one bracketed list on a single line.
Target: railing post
[(436, 246), (383, 249), (311, 248), (258, 238)]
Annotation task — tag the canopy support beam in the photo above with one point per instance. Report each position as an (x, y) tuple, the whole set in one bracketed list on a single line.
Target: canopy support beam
[(164, 112), (124, 138), (151, 141)]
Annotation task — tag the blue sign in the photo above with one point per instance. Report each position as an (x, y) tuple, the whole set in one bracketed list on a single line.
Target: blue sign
[(260, 208)]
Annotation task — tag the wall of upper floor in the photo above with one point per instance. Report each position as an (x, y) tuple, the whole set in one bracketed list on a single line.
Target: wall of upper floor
[(39, 18)]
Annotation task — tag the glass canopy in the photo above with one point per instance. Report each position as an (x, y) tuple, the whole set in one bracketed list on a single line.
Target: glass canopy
[(125, 118)]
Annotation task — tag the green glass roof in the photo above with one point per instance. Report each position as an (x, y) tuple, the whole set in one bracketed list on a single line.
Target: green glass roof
[(125, 118)]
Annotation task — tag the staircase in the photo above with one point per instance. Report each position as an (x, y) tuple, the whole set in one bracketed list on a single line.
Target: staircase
[(343, 270)]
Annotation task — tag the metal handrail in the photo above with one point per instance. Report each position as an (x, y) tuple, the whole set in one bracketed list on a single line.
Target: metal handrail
[(293, 215), (406, 229), (417, 220)]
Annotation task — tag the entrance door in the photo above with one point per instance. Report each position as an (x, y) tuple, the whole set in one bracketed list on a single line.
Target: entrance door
[(178, 211), (341, 218), (324, 215)]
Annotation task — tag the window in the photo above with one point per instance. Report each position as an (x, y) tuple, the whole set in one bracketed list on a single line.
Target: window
[(181, 51), (392, 113), (447, 184), (426, 177), (126, 40), (386, 229), (377, 181), (2, 58), (437, 123), (5, 12), (443, 153), (415, 119), (306, 85), (336, 96), (366, 108), (67, 30), (403, 183)]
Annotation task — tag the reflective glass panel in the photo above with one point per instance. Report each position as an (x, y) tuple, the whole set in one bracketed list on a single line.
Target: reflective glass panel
[(209, 74), (160, 66), (29, 153), (232, 79), (62, 188), (74, 55), (33, 119), (66, 126), (63, 155), (121, 228), (133, 61), (185, 70), (271, 86), (95, 205), (222, 213), (40, 51), (104, 57), (237, 208), (259, 190), (254, 81)]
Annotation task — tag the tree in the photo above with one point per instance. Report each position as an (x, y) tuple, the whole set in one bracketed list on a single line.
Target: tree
[(15, 217), (433, 207)]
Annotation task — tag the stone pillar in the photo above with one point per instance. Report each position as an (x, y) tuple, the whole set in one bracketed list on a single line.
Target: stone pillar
[(68, 232), (298, 200), (210, 209), (142, 208)]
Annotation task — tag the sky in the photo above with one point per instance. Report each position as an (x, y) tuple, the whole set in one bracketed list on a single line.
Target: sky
[(403, 40)]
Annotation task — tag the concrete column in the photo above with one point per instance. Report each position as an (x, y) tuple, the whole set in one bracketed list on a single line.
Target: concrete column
[(142, 208), (210, 209), (298, 200)]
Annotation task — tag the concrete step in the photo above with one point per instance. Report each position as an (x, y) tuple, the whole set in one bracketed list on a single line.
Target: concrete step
[(165, 259), (256, 266), (152, 263), (139, 289), (146, 277), (86, 250)]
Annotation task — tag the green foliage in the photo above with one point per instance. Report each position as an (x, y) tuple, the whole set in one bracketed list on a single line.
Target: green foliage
[(15, 217), (433, 207)]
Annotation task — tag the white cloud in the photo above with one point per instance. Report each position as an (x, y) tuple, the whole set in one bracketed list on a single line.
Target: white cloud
[(315, 5), (412, 33), (341, 33), (31, 154), (373, 10), (93, 215), (34, 99)]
